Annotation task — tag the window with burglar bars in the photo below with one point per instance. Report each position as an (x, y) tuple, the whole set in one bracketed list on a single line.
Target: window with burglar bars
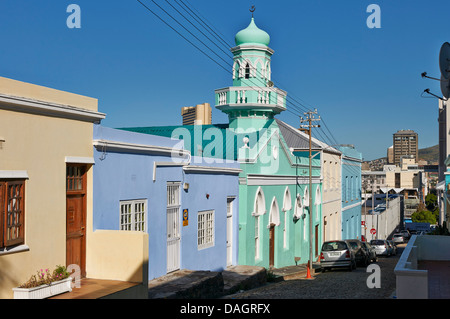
[(12, 212), (133, 215), (205, 226)]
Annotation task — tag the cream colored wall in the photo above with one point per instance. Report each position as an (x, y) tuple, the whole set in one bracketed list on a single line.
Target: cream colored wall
[(39, 144), (122, 262), (42, 93), (407, 179), (331, 196)]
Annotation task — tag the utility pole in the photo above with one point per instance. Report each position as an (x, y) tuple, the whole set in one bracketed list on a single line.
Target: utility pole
[(309, 118)]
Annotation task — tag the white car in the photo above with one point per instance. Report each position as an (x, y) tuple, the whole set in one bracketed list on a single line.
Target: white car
[(398, 238)]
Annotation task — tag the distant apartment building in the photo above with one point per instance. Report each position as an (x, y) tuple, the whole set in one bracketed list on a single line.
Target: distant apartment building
[(197, 115), (406, 142), (390, 155)]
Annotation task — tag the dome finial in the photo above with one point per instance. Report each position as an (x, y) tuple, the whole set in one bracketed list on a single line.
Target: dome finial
[(252, 9)]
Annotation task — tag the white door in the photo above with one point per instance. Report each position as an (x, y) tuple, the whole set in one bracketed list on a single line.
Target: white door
[(230, 230), (173, 226)]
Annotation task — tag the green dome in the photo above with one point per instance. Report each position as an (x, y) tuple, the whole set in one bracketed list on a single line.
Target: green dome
[(252, 35)]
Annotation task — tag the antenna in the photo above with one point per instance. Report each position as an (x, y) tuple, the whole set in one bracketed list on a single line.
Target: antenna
[(444, 60)]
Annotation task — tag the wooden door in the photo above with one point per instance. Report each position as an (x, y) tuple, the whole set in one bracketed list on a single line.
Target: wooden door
[(76, 217), (271, 245)]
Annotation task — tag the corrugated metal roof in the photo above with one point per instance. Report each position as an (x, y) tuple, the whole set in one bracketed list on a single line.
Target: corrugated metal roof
[(295, 138)]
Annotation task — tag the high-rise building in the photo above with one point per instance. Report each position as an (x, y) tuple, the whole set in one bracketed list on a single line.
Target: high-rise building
[(197, 115), (390, 155), (406, 142)]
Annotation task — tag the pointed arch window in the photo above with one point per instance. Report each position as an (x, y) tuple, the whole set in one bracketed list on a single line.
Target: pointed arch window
[(298, 210), (274, 217), (259, 210), (317, 202), (287, 206)]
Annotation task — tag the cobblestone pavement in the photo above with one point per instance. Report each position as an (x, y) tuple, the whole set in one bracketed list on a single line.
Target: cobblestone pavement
[(334, 284)]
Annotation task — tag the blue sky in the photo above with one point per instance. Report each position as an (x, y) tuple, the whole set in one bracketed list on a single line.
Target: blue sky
[(365, 83)]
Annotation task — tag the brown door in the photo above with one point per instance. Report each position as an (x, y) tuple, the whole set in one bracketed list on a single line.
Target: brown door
[(76, 217), (271, 245)]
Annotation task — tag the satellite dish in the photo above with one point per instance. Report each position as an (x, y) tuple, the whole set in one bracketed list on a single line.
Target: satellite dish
[(445, 87), (270, 84), (444, 60)]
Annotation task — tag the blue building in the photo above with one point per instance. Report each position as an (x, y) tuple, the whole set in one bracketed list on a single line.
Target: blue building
[(351, 192), (151, 184)]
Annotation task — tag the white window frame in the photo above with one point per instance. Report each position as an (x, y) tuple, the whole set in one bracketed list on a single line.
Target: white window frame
[(138, 210), (205, 229)]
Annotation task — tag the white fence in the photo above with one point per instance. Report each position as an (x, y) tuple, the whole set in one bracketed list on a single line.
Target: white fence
[(384, 223)]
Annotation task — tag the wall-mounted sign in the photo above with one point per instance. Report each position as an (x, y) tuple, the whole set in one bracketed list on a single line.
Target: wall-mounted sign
[(185, 217)]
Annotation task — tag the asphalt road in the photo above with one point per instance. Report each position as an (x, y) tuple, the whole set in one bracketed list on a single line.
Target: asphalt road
[(335, 284)]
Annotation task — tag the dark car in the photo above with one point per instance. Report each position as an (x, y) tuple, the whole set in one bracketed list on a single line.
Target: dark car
[(371, 252), (361, 255), (337, 253)]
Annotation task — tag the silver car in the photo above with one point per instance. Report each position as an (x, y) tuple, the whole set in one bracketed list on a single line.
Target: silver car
[(381, 247), (337, 253), (398, 238)]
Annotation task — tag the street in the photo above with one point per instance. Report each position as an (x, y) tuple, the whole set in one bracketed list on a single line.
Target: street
[(334, 284)]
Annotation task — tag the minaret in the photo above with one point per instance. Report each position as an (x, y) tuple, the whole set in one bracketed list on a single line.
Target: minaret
[(252, 100)]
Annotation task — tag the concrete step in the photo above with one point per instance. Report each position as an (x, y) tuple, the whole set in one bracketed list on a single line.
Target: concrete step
[(191, 284)]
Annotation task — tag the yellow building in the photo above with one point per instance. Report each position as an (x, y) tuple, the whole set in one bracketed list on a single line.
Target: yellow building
[(46, 167), (197, 115)]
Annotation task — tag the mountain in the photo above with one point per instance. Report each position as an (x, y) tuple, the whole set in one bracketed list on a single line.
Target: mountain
[(430, 154)]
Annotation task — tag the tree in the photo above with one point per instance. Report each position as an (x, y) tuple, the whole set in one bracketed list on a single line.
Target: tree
[(424, 216), (431, 202)]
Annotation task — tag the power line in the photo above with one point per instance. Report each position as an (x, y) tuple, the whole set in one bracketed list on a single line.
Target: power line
[(297, 107)]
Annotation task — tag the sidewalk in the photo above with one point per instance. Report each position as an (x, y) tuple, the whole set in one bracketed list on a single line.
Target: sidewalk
[(190, 284)]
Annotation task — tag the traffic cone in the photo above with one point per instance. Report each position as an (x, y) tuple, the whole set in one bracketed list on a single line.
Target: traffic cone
[(308, 272)]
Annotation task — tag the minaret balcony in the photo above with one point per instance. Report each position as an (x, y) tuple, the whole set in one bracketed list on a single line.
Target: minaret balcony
[(247, 98)]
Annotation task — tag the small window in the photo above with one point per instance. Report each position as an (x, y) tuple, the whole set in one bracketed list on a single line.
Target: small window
[(12, 213), (205, 225), (247, 71), (133, 215)]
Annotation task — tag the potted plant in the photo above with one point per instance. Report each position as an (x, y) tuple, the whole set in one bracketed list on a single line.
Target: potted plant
[(45, 284)]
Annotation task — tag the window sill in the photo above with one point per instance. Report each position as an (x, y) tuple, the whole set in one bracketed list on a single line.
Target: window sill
[(13, 250)]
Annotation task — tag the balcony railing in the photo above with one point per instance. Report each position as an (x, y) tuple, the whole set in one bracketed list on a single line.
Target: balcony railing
[(251, 95)]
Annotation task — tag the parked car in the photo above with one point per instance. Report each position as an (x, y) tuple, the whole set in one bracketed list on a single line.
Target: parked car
[(361, 255), (398, 238), (337, 253), (406, 234), (371, 252), (381, 247), (393, 247)]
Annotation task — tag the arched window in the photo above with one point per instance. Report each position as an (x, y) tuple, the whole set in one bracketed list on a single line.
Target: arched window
[(259, 210), (317, 202), (287, 206), (274, 215), (306, 197), (298, 210)]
